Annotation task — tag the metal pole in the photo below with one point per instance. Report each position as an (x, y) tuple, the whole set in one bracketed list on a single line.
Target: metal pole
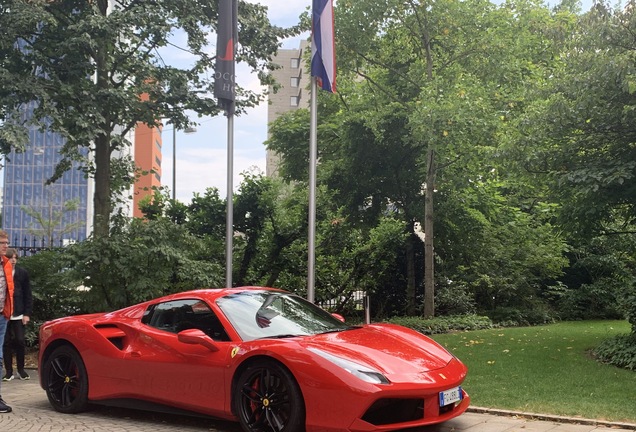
[(313, 158), (174, 162), (229, 224)]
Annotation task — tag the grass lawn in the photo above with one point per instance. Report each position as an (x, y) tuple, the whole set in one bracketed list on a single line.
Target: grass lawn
[(546, 369)]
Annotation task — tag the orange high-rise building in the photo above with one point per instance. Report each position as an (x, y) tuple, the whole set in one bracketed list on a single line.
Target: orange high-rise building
[(148, 160)]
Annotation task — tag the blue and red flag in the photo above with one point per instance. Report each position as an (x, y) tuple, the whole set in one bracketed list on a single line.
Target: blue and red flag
[(323, 45)]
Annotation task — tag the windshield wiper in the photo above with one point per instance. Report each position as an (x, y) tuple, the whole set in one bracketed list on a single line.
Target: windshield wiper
[(340, 329), (282, 336)]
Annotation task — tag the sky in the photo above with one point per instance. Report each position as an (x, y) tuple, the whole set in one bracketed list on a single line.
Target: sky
[(202, 156)]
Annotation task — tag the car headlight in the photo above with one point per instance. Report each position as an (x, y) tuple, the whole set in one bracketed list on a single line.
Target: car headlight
[(363, 372)]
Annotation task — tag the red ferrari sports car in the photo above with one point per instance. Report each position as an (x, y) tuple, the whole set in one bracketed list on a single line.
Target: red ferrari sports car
[(265, 357)]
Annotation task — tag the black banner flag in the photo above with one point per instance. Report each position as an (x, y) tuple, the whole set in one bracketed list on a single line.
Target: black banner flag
[(227, 39)]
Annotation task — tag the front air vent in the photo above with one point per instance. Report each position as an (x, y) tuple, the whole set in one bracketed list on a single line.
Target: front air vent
[(389, 411)]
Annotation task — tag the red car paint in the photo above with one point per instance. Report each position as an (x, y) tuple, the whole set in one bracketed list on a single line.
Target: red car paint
[(127, 358)]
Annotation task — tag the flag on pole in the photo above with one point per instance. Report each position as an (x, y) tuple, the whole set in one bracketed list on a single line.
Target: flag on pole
[(226, 42), (323, 45)]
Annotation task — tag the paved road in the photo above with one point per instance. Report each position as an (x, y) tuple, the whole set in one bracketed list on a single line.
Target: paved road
[(32, 413)]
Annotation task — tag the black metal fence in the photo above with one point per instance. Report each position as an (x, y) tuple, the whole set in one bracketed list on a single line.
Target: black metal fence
[(354, 300), (28, 247)]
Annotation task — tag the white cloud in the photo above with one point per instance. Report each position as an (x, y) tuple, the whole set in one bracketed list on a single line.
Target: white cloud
[(204, 168), (284, 12), (202, 157)]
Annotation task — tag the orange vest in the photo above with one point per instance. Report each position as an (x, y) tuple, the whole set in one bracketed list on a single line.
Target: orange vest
[(8, 274)]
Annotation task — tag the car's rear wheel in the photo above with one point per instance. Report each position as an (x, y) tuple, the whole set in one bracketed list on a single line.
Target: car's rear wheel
[(66, 380), (268, 399)]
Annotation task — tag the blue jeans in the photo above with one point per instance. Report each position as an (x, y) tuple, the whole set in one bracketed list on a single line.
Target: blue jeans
[(3, 329)]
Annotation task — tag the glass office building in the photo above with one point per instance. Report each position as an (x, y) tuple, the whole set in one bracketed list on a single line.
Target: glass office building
[(25, 191), (34, 213)]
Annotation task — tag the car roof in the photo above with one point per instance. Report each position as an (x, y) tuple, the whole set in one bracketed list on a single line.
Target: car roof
[(209, 294), (213, 293)]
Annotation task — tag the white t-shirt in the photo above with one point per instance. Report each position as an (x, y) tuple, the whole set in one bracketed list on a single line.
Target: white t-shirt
[(3, 290)]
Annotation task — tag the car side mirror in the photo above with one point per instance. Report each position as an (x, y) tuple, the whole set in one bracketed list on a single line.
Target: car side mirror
[(197, 337), (338, 317)]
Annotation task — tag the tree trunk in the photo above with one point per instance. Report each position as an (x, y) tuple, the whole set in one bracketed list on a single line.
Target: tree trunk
[(429, 259), (101, 200)]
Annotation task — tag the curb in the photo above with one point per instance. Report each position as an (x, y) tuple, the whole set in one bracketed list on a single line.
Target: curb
[(550, 417)]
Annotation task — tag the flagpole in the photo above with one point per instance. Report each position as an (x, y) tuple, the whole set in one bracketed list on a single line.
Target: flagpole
[(229, 222), (323, 74), (313, 159), (227, 39)]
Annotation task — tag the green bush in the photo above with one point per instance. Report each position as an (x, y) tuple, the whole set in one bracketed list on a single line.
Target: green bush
[(529, 314), (32, 334), (443, 324), (454, 299), (55, 289), (597, 300), (618, 351)]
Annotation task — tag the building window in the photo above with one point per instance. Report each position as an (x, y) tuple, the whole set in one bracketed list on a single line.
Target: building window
[(294, 101), (295, 63), (157, 161), (295, 81), (158, 145)]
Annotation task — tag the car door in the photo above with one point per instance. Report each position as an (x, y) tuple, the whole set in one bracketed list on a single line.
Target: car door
[(163, 369)]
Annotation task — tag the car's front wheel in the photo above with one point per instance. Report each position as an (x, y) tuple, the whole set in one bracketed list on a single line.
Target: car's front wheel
[(268, 399), (66, 380)]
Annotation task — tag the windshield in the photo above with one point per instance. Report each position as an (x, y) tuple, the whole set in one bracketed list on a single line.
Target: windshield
[(267, 314)]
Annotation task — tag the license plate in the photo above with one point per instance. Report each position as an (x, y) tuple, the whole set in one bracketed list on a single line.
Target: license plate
[(450, 396)]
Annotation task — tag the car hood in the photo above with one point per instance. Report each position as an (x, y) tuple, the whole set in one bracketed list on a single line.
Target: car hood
[(387, 348)]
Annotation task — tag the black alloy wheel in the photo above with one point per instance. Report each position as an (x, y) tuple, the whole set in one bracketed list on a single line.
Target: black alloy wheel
[(268, 399), (66, 380)]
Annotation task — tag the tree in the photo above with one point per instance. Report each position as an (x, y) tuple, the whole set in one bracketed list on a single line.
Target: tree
[(86, 65), (425, 94), (271, 220), (141, 260), (580, 133), (50, 219), (204, 218), (578, 137)]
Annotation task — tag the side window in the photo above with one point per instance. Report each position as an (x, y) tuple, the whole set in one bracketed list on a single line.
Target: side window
[(163, 316), (179, 315)]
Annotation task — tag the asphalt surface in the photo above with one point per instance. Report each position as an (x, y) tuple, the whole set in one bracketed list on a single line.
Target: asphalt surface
[(32, 413)]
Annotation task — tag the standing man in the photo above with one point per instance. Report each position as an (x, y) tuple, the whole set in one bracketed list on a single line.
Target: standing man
[(22, 308), (6, 298)]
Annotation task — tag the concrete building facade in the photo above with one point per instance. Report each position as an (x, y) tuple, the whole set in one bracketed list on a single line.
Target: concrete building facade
[(294, 78)]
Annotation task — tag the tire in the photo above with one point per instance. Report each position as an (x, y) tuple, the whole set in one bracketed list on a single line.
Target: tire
[(267, 398), (66, 380)]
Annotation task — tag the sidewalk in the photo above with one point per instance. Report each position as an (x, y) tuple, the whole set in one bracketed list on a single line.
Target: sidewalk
[(32, 413)]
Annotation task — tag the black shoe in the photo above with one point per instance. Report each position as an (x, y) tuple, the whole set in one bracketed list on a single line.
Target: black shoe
[(23, 375), (4, 408), (8, 377)]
